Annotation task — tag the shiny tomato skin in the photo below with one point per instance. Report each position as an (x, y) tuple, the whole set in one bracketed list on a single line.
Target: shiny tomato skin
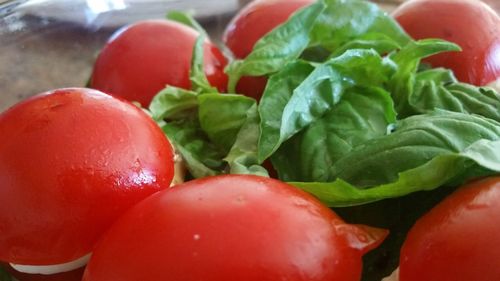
[(255, 20), (231, 227), (75, 275), (471, 24), (459, 239), (141, 59), (71, 161), (250, 24), (252, 86)]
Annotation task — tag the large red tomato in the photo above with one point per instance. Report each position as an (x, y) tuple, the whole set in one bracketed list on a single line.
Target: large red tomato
[(143, 58), (72, 161), (469, 23), (458, 240), (232, 227), (249, 25)]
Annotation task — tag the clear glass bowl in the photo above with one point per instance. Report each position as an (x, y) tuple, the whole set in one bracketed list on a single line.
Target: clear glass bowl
[(48, 44)]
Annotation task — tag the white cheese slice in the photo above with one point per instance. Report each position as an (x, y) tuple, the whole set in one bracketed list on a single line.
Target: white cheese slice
[(52, 269)]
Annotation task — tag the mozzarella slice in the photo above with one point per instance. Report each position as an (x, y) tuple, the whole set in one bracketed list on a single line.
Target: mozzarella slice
[(52, 269)]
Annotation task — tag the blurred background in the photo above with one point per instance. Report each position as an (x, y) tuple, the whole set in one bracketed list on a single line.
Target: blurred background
[(47, 44)]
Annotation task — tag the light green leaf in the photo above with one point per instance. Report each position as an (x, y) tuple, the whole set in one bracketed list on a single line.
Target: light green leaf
[(202, 158), (278, 92), (174, 103), (242, 158), (199, 81), (221, 117), (280, 46), (408, 60), (376, 41), (347, 20), (433, 91)]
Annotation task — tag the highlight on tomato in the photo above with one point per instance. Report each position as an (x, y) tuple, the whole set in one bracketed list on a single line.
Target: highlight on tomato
[(458, 239), (249, 25), (232, 227), (72, 161), (471, 24), (141, 59)]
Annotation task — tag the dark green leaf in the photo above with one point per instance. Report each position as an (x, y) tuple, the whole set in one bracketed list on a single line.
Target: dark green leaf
[(278, 47), (424, 153), (186, 19), (361, 115)]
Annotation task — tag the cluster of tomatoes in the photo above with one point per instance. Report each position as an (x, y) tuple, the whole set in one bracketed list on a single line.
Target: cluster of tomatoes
[(85, 172)]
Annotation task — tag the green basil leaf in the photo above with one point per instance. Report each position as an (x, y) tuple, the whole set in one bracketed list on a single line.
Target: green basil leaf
[(199, 81), (242, 158), (424, 153), (174, 103), (408, 60), (278, 47), (379, 42), (361, 115), (346, 20), (315, 95), (202, 158), (477, 100), (186, 19), (440, 76), (221, 117), (431, 92), (278, 91)]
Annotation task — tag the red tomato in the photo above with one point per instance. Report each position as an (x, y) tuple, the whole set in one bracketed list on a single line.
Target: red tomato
[(249, 25), (469, 23), (458, 240), (75, 275), (141, 59), (232, 227), (71, 162), (268, 165)]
